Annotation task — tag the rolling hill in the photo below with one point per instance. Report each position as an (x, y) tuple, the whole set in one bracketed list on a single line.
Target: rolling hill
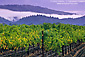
[(43, 19), (4, 21)]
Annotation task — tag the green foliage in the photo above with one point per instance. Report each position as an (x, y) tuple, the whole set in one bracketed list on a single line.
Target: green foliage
[(18, 36)]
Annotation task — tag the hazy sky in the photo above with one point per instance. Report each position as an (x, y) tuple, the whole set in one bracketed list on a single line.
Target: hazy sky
[(77, 6)]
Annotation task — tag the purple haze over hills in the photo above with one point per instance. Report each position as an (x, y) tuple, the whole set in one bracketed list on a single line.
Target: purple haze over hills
[(74, 8)]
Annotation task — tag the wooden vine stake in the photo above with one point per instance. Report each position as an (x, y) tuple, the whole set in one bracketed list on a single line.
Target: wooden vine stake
[(42, 44)]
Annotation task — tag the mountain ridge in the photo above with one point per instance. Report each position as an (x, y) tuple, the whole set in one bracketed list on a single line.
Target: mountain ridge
[(34, 9), (43, 19), (40, 19)]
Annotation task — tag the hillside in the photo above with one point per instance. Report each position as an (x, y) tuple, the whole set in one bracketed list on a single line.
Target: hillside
[(76, 21), (40, 19), (4, 21), (33, 9), (43, 19)]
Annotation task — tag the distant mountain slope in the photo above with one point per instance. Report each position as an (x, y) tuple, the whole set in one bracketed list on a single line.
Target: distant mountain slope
[(33, 9), (43, 19), (36, 20), (4, 21), (76, 21)]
